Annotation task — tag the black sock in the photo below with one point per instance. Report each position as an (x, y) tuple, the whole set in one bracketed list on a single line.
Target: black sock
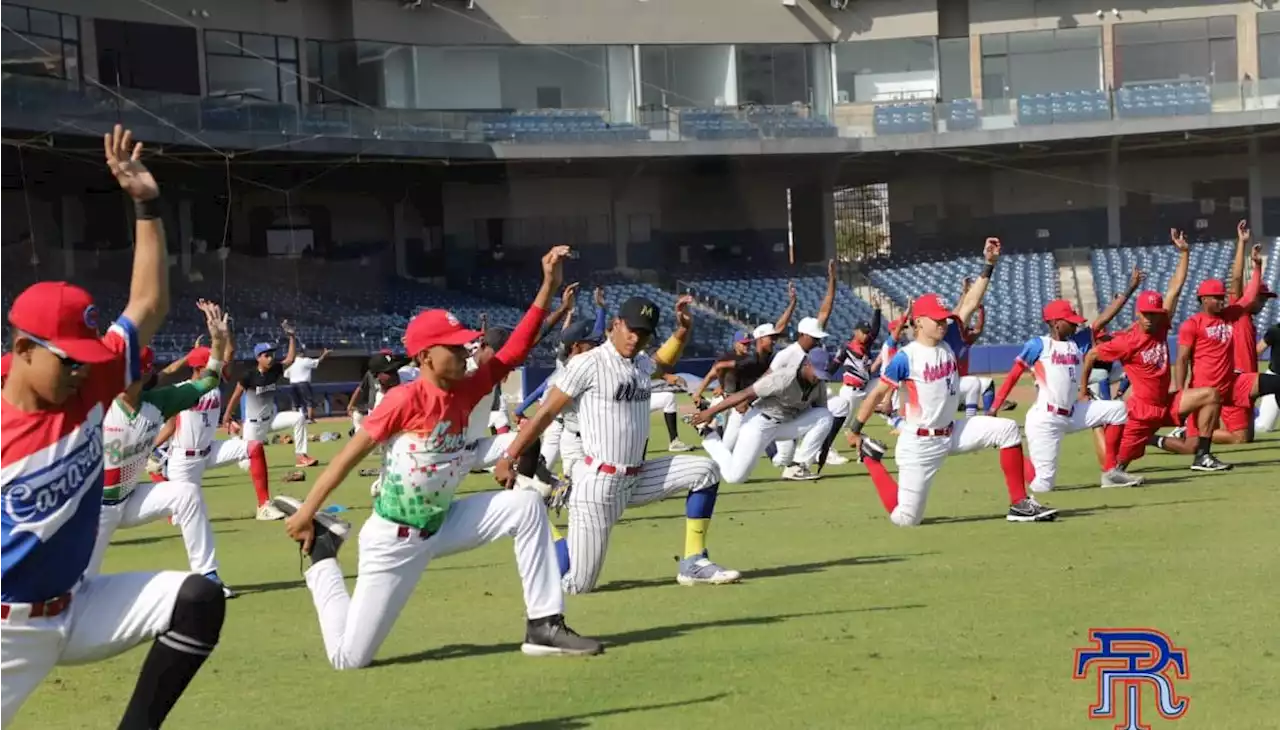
[(527, 466), (177, 654), (836, 425), (1203, 444), (670, 418)]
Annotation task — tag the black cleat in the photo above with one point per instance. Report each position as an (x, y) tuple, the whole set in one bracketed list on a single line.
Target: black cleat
[(330, 532), (1029, 510), (551, 637), (1209, 462)]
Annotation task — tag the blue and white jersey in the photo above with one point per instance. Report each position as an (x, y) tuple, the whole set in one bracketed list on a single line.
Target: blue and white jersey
[(1056, 367), (928, 383)]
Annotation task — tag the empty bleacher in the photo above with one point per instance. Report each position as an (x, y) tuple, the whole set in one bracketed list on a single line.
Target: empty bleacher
[(907, 117), (1169, 99), (1058, 107), (557, 125), (753, 122)]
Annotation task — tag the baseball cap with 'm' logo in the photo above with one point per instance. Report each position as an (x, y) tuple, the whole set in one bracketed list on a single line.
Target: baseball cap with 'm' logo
[(640, 314)]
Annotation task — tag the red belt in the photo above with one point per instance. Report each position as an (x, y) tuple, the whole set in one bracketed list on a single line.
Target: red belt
[(44, 609), (405, 532), (1059, 411), (611, 469), (934, 431)]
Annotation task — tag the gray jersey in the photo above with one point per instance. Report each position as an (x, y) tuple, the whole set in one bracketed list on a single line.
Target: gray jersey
[(783, 396), (612, 397)]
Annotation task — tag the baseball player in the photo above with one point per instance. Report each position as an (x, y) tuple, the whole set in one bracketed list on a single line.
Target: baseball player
[(609, 386), (416, 517), (61, 380), (854, 363), (788, 404), (299, 376), (130, 429), (1055, 360), (972, 388), (1105, 374), (1143, 349), (1268, 382), (925, 372), (258, 386)]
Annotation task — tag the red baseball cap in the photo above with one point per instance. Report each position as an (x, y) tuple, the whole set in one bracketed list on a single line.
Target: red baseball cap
[(436, 327), (1151, 302), (1062, 309), (198, 357), (931, 306), (64, 316), (146, 359), (1211, 288)]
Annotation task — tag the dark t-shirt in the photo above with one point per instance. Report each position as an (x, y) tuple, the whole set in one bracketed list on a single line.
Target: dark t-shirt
[(746, 370), (260, 391), (1272, 338)]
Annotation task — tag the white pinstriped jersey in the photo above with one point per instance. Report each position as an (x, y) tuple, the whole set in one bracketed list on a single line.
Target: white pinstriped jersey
[(612, 397), (928, 383), (197, 426)]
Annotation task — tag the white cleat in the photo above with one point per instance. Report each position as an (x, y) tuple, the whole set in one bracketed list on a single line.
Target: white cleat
[(1118, 478), (798, 473), (699, 569), (835, 459), (678, 446), (268, 513)]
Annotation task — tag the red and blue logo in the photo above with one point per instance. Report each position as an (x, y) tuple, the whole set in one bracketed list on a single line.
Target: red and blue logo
[(1126, 660)]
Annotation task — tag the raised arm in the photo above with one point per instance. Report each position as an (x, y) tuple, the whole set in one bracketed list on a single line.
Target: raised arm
[(149, 284), (876, 319), (602, 318), (973, 298), (1235, 284), (669, 354), (785, 319), (292, 353), (323, 354), (1118, 301), (1179, 277), (1090, 357), (567, 301), (1253, 290), (828, 301), (231, 405)]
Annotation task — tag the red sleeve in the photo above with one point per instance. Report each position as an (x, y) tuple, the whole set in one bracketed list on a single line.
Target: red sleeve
[(1187, 333), (1250, 289), (1114, 349), (1010, 380), (392, 414), (518, 346)]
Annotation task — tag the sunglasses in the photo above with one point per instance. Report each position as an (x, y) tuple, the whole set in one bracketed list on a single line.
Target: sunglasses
[(65, 360)]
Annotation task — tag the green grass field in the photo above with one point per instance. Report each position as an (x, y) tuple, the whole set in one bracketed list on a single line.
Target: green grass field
[(842, 620)]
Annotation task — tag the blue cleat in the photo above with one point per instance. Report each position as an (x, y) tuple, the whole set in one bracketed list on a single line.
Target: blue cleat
[(697, 569)]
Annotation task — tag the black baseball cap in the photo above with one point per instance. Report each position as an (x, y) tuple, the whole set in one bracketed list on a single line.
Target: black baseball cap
[(863, 326), (640, 314), (582, 331), (495, 337), (383, 363)]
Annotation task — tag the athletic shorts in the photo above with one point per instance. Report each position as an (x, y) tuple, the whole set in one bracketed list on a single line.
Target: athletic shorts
[(1145, 420), (1237, 405)]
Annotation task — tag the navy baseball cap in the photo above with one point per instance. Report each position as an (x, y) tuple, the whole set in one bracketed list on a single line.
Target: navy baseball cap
[(820, 359), (263, 348), (582, 331), (639, 314)]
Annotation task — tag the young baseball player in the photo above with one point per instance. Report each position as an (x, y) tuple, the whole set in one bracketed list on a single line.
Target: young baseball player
[(299, 375), (1269, 383), (1055, 360), (609, 385), (1143, 349), (662, 397), (973, 389), (130, 430), (925, 372), (787, 404), (258, 409), (61, 380), (854, 363), (416, 517)]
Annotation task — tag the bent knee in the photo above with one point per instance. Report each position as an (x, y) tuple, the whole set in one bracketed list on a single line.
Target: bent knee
[(905, 518)]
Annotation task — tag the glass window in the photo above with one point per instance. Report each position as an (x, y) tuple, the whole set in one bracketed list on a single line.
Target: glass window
[(15, 18), (1222, 26), (41, 43), (70, 28), (995, 44), (1269, 45), (995, 77), (1201, 48), (45, 23), (1269, 22), (288, 47), (772, 74), (904, 68), (953, 57), (258, 45), (221, 42), (1041, 62)]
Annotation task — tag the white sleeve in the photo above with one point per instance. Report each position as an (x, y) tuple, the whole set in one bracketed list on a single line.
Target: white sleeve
[(773, 382), (577, 377)]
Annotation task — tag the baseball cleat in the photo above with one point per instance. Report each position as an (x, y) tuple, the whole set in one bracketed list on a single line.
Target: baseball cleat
[(678, 446), (798, 473), (1029, 510), (698, 568), (1209, 462), (871, 449), (266, 512), (835, 459), (330, 532), (1178, 433), (550, 636), (304, 460), (1119, 478)]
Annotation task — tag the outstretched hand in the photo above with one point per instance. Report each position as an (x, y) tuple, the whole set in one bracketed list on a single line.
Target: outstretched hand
[(684, 315), (1179, 239), (553, 265), (1242, 231), (1255, 256), (1136, 278), (124, 158), (991, 250)]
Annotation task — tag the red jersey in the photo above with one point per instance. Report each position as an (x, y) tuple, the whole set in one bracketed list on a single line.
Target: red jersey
[(1145, 357), (1210, 339), (1244, 335), (52, 467)]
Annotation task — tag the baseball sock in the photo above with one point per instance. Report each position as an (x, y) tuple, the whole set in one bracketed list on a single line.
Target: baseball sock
[(562, 549), (177, 654), (1011, 464), (836, 425), (1112, 435), (1268, 384), (698, 507), (988, 398), (258, 471), (1104, 389), (886, 487), (670, 419), (1203, 445)]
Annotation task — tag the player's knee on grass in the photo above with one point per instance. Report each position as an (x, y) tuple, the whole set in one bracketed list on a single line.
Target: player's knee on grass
[(906, 516), (198, 613)]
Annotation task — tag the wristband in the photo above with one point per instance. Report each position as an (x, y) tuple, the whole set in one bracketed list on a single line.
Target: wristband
[(988, 270), (147, 210), (856, 426)]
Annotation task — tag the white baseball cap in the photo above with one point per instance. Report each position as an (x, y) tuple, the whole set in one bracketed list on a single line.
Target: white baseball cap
[(764, 330), (809, 326)]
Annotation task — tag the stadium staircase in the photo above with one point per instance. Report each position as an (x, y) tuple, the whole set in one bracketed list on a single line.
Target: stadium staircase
[(1075, 280)]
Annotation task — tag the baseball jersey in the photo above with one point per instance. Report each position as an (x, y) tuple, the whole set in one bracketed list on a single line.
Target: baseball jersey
[(745, 372), (1210, 339), (424, 431), (612, 395), (568, 414), (478, 421), (51, 467), (260, 392), (128, 437), (855, 370), (782, 396), (302, 369), (928, 383), (198, 424), (1145, 357), (1056, 367)]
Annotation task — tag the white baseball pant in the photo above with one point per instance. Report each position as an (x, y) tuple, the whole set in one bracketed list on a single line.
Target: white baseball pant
[(393, 558), (757, 430), (599, 498), (846, 401), (182, 467), (1268, 414), (258, 429), (662, 401), (550, 449), (570, 451), (108, 615), (1045, 431), (152, 501), (489, 449), (498, 420), (920, 457), (971, 390), (732, 427)]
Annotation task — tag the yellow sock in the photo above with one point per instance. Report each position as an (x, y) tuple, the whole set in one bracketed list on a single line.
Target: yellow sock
[(695, 536), (555, 532)]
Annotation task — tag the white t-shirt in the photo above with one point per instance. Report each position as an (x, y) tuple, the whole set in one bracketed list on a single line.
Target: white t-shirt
[(788, 357), (301, 369)]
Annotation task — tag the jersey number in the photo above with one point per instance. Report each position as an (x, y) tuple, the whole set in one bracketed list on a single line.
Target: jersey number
[(952, 386)]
